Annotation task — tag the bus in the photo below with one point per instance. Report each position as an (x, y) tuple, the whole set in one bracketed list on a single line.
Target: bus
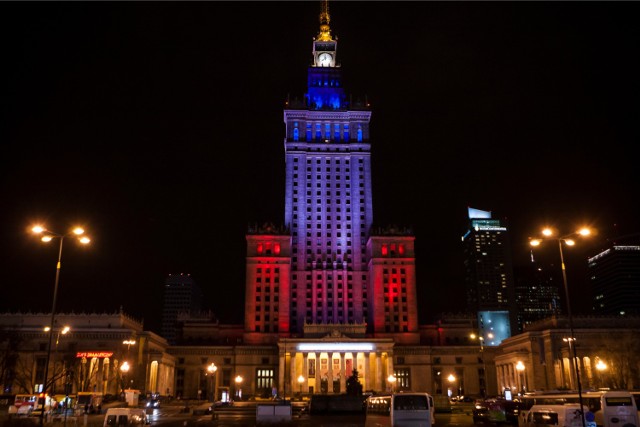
[(610, 408), (405, 409)]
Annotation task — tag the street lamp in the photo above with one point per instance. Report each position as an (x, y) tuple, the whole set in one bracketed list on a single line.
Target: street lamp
[(520, 368), (124, 368), (549, 235), (128, 343), (47, 236), (452, 379), (211, 369), (300, 381), (238, 381), (480, 339), (62, 331), (601, 367), (392, 382)]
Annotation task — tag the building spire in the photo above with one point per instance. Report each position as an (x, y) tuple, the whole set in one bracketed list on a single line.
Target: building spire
[(325, 32)]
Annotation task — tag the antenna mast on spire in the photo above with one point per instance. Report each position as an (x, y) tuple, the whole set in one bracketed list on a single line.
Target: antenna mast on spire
[(325, 30)]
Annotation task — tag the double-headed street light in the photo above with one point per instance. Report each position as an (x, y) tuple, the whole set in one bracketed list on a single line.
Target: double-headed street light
[(480, 339), (549, 234), (47, 236)]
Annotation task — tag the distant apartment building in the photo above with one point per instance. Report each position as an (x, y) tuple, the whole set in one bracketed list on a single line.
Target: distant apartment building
[(181, 295), (538, 292), (615, 280), (489, 276)]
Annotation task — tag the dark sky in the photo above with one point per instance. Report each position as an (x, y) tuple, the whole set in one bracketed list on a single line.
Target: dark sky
[(159, 127)]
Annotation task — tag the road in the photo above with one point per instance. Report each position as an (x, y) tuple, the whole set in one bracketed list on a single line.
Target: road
[(171, 416)]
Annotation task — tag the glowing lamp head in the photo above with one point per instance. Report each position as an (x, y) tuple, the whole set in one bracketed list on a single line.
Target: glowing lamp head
[(37, 229), (534, 242), (584, 232)]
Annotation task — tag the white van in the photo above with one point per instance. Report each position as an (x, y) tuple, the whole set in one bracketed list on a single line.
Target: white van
[(567, 415), (125, 417)]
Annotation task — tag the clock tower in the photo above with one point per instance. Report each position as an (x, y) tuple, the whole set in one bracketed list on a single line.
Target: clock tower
[(324, 76), (324, 46)]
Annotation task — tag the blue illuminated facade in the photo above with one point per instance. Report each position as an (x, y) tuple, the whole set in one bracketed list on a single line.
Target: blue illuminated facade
[(328, 266)]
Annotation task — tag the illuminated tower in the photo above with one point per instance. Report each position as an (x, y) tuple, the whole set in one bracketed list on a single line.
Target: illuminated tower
[(326, 262), (489, 275)]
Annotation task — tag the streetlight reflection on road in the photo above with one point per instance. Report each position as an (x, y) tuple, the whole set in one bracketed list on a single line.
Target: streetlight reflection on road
[(47, 236)]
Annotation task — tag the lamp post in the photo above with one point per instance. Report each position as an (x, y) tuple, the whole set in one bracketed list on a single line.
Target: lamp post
[(238, 381), (300, 382), (601, 367), (391, 379), (47, 236), (549, 235), (124, 368), (521, 378), (480, 339), (62, 331), (211, 369), (452, 379), (128, 343)]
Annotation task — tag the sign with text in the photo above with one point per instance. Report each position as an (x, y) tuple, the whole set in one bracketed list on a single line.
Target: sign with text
[(92, 354)]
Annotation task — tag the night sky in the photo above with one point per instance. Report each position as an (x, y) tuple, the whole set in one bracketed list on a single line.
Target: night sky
[(159, 127)]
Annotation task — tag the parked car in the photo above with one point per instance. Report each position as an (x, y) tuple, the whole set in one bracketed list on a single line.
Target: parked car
[(496, 411)]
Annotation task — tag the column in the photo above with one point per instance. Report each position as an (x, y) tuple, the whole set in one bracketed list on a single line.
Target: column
[(343, 374), (281, 374), (380, 385)]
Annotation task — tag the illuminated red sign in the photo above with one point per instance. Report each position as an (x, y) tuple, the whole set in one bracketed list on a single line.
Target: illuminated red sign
[(92, 354)]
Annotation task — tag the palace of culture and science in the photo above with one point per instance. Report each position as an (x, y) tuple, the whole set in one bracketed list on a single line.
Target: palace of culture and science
[(327, 294)]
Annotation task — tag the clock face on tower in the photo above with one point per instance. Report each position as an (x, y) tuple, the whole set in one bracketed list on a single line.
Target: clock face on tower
[(324, 59)]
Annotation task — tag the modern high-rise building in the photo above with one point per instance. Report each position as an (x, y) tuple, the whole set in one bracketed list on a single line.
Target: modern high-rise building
[(615, 280), (538, 291), (489, 276), (329, 265), (181, 295)]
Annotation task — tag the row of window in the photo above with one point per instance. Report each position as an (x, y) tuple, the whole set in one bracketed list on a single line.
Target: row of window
[(327, 134)]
